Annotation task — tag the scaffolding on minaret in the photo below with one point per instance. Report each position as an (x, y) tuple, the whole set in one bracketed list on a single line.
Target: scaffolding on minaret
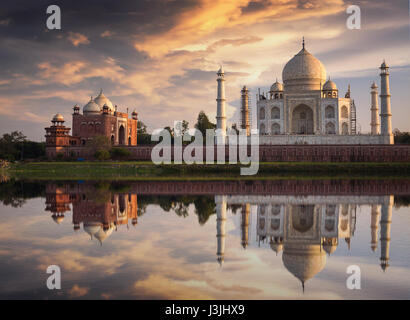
[(353, 129), (245, 114)]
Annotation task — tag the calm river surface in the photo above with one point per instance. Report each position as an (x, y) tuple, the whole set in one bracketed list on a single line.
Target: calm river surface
[(275, 239)]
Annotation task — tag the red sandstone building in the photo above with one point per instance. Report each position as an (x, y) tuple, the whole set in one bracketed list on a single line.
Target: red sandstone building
[(99, 118)]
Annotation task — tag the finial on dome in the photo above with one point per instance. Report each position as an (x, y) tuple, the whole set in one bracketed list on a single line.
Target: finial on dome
[(303, 286), (303, 42), (100, 90)]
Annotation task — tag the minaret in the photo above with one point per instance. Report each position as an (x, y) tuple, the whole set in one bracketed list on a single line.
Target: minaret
[(374, 225), (245, 224), (220, 227), (245, 110), (385, 110), (385, 224), (374, 109), (220, 100)]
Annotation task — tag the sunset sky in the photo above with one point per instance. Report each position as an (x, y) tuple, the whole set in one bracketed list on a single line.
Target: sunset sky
[(160, 57)]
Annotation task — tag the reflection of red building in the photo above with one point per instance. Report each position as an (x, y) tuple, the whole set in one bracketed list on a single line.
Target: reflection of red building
[(99, 118), (100, 212)]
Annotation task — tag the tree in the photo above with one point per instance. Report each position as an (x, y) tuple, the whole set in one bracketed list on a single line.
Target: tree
[(203, 123), (12, 145), (102, 155), (98, 143), (401, 137), (143, 137), (119, 153), (141, 128)]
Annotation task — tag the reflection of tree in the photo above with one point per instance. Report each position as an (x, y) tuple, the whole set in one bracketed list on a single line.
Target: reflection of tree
[(204, 208), (234, 207), (14, 193), (401, 201)]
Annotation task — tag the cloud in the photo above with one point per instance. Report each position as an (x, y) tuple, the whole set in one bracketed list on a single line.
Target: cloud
[(161, 58), (77, 38), (76, 291), (106, 34), (5, 22)]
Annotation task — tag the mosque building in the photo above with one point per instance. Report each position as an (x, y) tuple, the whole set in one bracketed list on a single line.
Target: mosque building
[(307, 108), (99, 117)]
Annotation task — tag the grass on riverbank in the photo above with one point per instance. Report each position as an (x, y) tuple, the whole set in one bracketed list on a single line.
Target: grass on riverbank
[(133, 170)]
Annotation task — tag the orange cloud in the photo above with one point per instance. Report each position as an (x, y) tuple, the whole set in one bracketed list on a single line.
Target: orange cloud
[(77, 38), (211, 16), (76, 291)]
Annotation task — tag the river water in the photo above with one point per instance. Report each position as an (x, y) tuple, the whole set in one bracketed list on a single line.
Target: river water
[(271, 239)]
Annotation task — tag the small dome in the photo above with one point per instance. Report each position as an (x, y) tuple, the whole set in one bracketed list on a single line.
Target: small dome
[(329, 248), (101, 235), (277, 247), (102, 100), (384, 65), (374, 85), (76, 107), (277, 86), (58, 219), (92, 227), (91, 107), (58, 118), (221, 70), (329, 85)]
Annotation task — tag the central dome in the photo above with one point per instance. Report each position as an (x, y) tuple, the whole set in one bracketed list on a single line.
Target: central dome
[(304, 262), (303, 72), (102, 100)]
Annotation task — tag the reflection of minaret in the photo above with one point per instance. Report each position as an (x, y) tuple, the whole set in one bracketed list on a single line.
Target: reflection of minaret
[(220, 226), (374, 225), (245, 224), (385, 224)]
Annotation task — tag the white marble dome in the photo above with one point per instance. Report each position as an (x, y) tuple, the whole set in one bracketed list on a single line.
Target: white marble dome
[(91, 107), (277, 86), (304, 262), (102, 100), (304, 72), (91, 227), (329, 85)]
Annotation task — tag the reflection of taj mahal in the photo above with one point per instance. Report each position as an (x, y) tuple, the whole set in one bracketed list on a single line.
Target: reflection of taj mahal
[(305, 229)]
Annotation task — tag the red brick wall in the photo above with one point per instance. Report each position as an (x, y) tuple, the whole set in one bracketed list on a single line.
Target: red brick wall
[(320, 153)]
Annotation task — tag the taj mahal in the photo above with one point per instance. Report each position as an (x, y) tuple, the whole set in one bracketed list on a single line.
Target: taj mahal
[(307, 107)]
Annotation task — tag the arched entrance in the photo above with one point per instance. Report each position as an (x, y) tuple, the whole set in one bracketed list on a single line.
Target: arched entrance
[(302, 120), (330, 128), (303, 217), (121, 135)]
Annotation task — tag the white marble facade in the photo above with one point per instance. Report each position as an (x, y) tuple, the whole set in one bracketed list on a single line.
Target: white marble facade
[(308, 104)]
